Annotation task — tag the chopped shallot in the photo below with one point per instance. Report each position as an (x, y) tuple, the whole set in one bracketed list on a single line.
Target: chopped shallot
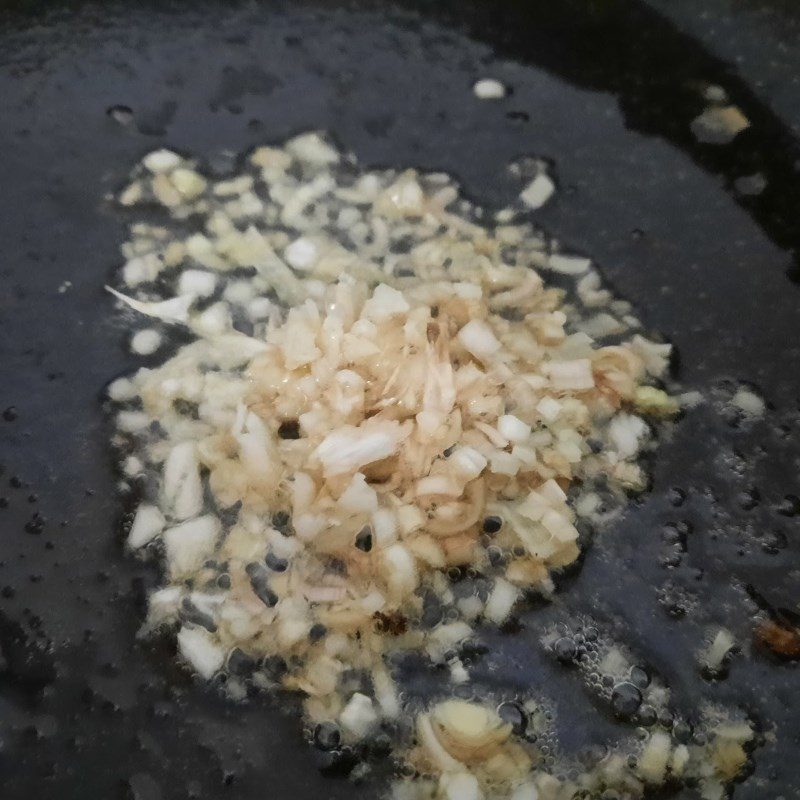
[(378, 392)]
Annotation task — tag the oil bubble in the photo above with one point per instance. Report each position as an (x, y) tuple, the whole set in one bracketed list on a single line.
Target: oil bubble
[(648, 716), (626, 700), (565, 649), (639, 677), (514, 715)]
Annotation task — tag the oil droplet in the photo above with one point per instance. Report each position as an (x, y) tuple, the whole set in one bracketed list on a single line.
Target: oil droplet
[(648, 716), (748, 499), (565, 649), (676, 496), (35, 524), (514, 716), (789, 506), (682, 732), (625, 700), (639, 677)]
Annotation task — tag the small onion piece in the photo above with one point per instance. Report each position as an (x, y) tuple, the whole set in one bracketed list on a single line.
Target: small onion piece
[(348, 448), (460, 786), (378, 392), (479, 339), (147, 524), (358, 717), (189, 544), (468, 732), (489, 89), (538, 191), (501, 600), (202, 652)]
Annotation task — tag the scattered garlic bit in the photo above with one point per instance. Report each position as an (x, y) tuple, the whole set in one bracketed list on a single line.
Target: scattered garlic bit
[(489, 89), (358, 717), (691, 399), (655, 355), (502, 599), (379, 387), (145, 342), (199, 283), (655, 402), (653, 761), (176, 309), (538, 191), (122, 390), (748, 402), (147, 524), (751, 185), (201, 651), (464, 750), (568, 265), (161, 161), (715, 94), (780, 637), (719, 125), (713, 657)]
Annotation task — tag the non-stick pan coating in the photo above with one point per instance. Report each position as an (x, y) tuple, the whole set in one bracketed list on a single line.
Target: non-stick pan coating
[(606, 90)]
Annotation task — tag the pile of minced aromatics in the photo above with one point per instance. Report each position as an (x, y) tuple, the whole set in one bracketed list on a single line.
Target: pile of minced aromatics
[(380, 393)]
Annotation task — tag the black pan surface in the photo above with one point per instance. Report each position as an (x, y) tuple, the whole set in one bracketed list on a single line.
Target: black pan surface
[(606, 90)]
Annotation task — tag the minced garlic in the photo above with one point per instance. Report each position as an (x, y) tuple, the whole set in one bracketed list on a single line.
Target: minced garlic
[(379, 388)]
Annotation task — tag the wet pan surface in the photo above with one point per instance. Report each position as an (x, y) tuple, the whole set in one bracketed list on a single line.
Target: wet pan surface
[(606, 92)]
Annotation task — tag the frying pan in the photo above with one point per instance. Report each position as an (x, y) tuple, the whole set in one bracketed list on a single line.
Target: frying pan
[(606, 90)]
